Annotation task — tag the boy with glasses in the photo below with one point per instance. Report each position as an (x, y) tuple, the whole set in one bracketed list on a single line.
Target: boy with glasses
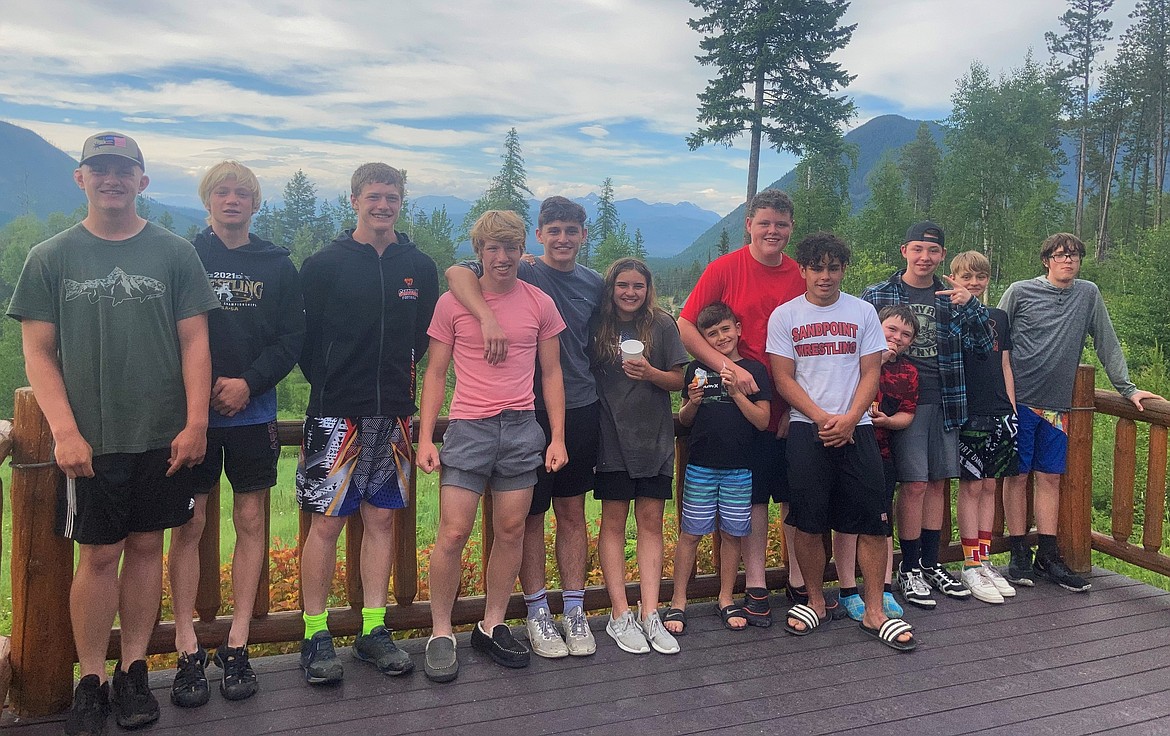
[(1050, 316)]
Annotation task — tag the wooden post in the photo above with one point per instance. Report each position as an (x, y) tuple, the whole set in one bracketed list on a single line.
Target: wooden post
[(42, 571), (1075, 529), (405, 580), (209, 598)]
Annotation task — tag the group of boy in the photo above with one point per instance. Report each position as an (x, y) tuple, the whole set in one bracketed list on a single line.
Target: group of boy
[(217, 324)]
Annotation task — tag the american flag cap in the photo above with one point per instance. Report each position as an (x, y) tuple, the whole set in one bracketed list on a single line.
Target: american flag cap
[(110, 143)]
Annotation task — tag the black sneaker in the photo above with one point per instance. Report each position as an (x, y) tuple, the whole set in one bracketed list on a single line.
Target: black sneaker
[(377, 647), (1054, 569), (320, 662), (440, 662), (1019, 569), (501, 646), (938, 578), (134, 704), (190, 687), (91, 707), (239, 679)]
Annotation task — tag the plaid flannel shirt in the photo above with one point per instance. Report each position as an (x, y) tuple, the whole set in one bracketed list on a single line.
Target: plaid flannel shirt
[(960, 329)]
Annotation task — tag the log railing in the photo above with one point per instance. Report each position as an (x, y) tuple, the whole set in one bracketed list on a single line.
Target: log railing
[(42, 563)]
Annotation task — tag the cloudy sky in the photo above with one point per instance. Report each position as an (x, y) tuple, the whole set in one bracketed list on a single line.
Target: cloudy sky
[(595, 88)]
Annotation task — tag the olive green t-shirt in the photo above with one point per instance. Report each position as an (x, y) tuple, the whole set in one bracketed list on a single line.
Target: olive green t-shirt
[(116, 305)]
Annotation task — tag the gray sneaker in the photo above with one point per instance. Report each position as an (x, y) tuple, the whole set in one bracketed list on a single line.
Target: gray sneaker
[(628, 635), (378, 648), (546, 641), (578, 637), (660, 639)]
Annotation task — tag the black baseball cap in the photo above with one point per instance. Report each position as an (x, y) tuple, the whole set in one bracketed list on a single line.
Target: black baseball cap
[(925, 231)]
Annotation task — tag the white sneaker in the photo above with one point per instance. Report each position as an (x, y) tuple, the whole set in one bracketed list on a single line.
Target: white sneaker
[(1001, 584), (661, 639), (578, 637), (914, 589), (543, 635), (628, 635), (981, 588)]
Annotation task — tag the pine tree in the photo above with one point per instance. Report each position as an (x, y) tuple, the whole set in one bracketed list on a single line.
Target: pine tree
[(1086, 30), (724, 242), (166, 220), (919, 161), (507, 190), (774, 78), (607, 221), (638, 246), (300, 209)]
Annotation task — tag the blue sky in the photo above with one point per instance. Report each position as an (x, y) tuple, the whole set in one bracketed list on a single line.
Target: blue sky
[(595, 88)]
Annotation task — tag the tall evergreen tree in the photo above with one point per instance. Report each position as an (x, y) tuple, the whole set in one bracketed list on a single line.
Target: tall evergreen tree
[(724, 242), (607, 221), (887, 214), (1146, 44), (1085, 30), (821, 194), (919, 161), (774, 78), (638, 244), (508, 188), (300, 209)]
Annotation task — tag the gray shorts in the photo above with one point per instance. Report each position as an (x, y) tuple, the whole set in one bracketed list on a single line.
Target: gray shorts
[(503, 451), (925, 451)]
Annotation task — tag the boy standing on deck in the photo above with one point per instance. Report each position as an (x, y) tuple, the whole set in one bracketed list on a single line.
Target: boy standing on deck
[(493, 439), (718, 481), (103, 305), (826, 349), (369, 296), (1050, 316)]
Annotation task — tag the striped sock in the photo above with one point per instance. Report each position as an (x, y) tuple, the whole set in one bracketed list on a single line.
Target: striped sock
[(573, 599), (984, 546), (372, 618), (315, 622), (970, 552), (536, 601)]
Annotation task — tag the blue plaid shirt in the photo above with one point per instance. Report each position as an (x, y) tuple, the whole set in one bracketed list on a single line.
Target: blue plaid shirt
[(962, 328)]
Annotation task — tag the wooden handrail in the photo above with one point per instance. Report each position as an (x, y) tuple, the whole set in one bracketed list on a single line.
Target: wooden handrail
[(42, 563)]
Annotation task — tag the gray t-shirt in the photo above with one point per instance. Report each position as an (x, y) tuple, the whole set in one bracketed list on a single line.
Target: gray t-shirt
[(577, 294), (116, 305), (1048, 330), (637, 427), (923, 352)]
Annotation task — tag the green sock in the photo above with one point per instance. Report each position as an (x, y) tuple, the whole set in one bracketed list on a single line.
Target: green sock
[(315, 622), (372, 618)]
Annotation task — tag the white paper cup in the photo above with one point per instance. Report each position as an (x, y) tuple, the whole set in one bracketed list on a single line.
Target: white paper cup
[(632, 349)]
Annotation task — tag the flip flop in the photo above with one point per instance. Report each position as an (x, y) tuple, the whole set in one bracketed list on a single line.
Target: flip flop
[(733, 611), (889, 632), (805, 615), (757, 607), (679, 615)]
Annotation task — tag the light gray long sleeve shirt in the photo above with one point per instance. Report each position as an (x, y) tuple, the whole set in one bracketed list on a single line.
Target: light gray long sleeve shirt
[(1048, 330)]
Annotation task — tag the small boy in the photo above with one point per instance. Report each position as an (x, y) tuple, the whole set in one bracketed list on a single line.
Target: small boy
[(826, 350), (891, 411), (987, 440), (723, 422), (493, 439)]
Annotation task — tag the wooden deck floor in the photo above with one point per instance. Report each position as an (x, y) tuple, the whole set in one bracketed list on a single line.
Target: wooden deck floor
[(1048, 662)]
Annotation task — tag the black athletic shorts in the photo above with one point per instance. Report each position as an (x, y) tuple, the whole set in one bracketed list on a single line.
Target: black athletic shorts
[(769, 469), (248, 453), (620, 486), (582, 436), (130, 492), (838, 488)]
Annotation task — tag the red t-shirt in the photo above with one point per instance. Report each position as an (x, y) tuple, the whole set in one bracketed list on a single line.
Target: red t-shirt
[(752, 290)]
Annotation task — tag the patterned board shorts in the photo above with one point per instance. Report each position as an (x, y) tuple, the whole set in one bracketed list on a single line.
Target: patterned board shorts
[(987, 448), (345, 461)]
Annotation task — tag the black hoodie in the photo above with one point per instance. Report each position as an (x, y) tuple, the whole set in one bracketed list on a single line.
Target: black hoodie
[(257, 334), (367, 317)]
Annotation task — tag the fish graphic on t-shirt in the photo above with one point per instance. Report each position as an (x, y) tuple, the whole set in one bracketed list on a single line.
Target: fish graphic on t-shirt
[(118, 287)]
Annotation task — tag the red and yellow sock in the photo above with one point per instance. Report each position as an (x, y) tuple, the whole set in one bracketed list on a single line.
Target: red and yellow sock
[(984, 546), (970, 552)]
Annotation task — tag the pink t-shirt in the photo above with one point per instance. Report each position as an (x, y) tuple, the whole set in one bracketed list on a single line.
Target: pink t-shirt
[(527, 315)]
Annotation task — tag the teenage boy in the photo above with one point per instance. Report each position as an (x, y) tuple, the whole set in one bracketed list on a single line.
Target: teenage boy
[(369, 296), (826, 350), (1050, 316), (256, 337), (113, 318), (493, 440), (892, 411), (927, 452), (987, 441), (718, 480), (753, 281), (576, 291)]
